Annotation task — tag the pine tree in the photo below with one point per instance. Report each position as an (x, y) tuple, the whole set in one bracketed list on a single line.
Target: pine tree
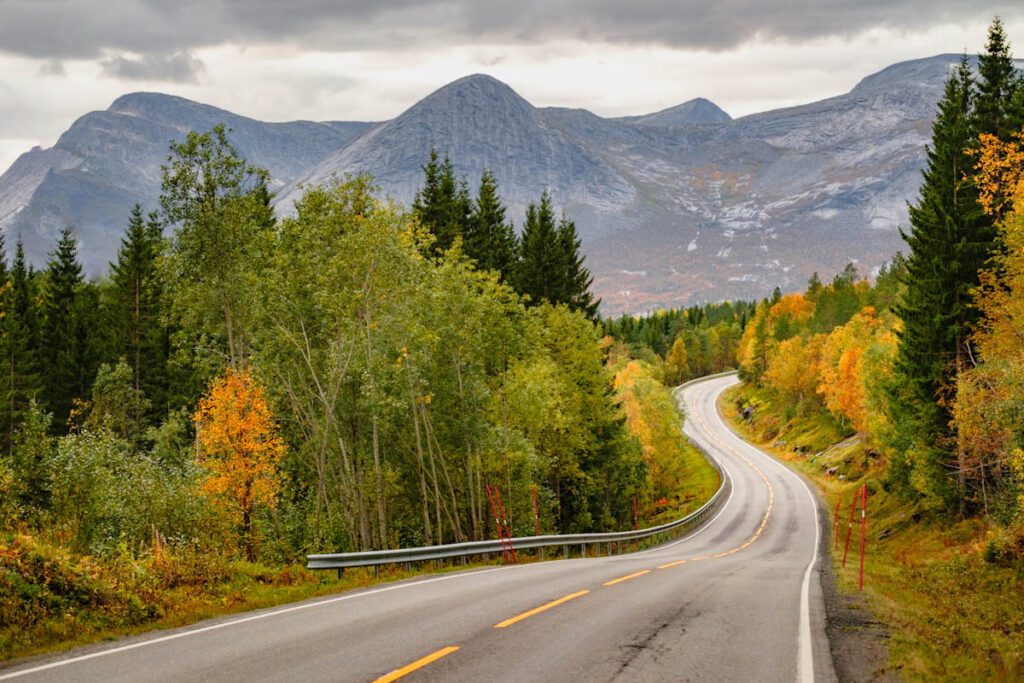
[(490, 240), (68, 361), (949, 242), (139, 334), (576, 279), (540, 274), (20, 360)]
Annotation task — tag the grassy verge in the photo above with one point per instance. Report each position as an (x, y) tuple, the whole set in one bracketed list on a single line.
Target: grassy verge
[(53, 600), (952, 615)]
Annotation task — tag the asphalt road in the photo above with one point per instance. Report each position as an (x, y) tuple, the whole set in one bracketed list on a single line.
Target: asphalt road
[(738, 600)]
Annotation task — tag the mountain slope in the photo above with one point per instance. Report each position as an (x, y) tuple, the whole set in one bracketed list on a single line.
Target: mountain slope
[(108, 160)]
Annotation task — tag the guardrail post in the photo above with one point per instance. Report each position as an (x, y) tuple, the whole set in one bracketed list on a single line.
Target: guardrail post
[(565, 552)]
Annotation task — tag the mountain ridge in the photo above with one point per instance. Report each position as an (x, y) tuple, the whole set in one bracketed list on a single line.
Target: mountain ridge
[(674, 207)]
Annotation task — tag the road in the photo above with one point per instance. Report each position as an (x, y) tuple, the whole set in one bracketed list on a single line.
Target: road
[(738, 600)]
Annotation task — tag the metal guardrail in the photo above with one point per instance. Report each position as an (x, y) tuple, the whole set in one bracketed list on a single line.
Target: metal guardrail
[(568, 542)]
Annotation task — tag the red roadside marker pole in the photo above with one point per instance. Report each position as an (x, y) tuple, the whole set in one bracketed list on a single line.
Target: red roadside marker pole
[(849, 529), (863, 529), (536, 513), (497, 521), (504, 519)]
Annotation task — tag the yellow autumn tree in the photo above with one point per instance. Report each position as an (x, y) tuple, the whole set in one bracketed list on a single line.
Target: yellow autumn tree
[(794, 367), (676, 367), (842, 383), (989, 396), (240, 450)]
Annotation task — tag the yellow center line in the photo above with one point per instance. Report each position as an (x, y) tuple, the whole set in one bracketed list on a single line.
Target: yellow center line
[(538, 610), (627, 577), (672, 564), (418, 664)]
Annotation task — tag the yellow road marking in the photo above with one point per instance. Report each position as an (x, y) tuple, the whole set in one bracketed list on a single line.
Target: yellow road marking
[(627, 577), (418, 664), (538, 610), (672, 564)]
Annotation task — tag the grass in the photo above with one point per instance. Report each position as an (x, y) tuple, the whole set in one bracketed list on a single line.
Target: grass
[(952, 615), (52, 600)]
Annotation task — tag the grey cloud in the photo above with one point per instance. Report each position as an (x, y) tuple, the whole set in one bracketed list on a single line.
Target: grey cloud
[(52, 67), (88, 28), (180, 67)]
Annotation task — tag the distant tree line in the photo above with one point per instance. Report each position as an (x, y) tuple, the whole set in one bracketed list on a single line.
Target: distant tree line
[(686, 342)]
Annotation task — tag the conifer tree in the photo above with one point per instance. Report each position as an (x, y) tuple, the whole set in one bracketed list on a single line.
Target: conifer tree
[(576, 279), (65, 342), (14, 348), (997, 88), (139, 334), (489, 239), (540, 272), (442, 205), (949, 242)]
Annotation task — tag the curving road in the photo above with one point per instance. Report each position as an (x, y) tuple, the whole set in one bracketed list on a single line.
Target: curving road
[(737, 600)]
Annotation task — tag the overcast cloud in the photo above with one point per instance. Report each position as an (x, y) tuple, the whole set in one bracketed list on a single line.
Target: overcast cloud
[(369, 59)]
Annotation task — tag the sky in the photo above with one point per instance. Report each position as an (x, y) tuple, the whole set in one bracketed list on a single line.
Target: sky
[(279, 60)]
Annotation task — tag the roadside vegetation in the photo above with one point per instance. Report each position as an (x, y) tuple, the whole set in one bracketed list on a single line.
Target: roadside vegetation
[(913, 387), (241, 391)]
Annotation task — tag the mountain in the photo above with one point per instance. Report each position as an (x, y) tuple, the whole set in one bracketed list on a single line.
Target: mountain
[(108, 160), (697, 111), (674, 207), (480, 123)]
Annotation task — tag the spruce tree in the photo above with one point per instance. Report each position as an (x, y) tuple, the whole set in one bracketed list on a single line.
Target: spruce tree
[(442, 205), (490, 240), (139, 334), (539, 274), (997, 88), (576, 279), (19, 348), (949, 242), (68, 361)]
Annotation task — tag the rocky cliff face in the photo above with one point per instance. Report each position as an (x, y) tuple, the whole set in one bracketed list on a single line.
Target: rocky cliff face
[(674, 207)]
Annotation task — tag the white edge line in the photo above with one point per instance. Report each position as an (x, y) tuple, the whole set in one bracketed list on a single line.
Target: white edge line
[(234, 622), (805, 653)]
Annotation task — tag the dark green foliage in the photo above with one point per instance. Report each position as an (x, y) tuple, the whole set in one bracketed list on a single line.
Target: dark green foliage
[(19, 346), (442, 205), (996, 103), (539, 275), (69, 312), (950, 240), (710, 334), (550, 263), (576, 278), (139, 334), (835, 305), (490, 240)]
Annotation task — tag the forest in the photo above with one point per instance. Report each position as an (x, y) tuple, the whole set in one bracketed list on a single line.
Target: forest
[(926, 365), (241, 390)]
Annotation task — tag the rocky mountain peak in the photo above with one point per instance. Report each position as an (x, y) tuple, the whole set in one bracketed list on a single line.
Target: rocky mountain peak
[(698, 111)]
